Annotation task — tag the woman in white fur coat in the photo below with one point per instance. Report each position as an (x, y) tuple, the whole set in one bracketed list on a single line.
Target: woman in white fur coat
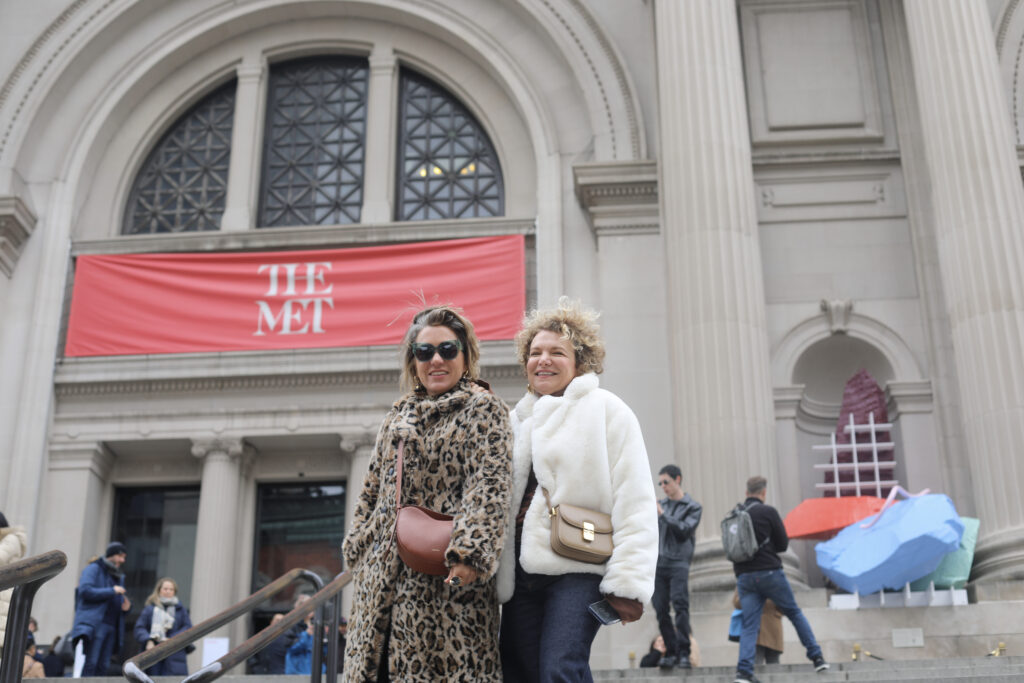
[(583, 445)]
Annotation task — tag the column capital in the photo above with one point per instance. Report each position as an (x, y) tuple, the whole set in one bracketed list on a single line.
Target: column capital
[(233, 448), (354, 442), (92, 455), (16, 225)]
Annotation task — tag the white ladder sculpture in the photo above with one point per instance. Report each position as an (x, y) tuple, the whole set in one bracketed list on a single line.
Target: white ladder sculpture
[(905, 597), (856, 449)]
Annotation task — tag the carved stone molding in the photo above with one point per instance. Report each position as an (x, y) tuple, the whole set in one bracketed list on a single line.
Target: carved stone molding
[(16, 225), (620, 198), (838, 313), (93, 456)]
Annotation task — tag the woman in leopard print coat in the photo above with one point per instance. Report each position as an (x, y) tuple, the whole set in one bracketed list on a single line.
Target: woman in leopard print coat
[(405, 625)]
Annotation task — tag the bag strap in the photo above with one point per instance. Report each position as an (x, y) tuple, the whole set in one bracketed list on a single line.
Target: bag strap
[(398, 476), (547, 499)]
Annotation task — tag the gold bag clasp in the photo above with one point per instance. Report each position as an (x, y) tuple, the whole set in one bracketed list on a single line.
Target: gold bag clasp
[(588, 531)]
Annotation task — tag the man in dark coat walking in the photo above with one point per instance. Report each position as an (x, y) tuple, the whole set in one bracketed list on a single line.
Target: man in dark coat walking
[(678, 517), (100, 606), (761, 578)]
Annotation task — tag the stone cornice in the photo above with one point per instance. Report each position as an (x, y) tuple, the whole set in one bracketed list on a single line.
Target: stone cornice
[(16, 225), (248, 371), (307, 237), (620, 198)]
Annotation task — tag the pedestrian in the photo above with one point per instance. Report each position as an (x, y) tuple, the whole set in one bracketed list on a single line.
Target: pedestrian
[(678, 517), (32, 667), (769, 636), (53, 663), (579, 445), (13, 544), (654, 655), (299, 657), (407, 625), (761, 578), (164, 617), (100, 605)]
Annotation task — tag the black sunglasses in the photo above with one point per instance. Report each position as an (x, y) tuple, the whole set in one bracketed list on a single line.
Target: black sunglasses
[(447, 349)]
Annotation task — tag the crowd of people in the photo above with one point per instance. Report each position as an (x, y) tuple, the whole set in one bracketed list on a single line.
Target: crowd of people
[(516, 600)]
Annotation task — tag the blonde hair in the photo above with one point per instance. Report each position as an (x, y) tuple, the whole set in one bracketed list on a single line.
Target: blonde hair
[(154, 597), (571, 319), (440, 316)]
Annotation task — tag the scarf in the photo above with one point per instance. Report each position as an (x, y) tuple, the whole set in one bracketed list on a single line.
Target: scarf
[(163, 619)]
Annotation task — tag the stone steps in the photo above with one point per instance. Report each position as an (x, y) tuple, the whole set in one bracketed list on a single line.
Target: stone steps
[(996, 669)]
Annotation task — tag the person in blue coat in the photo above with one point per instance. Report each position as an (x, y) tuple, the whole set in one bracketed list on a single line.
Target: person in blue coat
[(100, 606), (299, 659), (164, 617)]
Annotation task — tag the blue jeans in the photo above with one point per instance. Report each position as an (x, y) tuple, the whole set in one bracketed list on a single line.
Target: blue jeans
[(754, 588), (98, 650), (671, 590), (546, 629)]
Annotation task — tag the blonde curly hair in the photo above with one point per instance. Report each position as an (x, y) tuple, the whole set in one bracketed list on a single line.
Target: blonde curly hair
[(574, 322)]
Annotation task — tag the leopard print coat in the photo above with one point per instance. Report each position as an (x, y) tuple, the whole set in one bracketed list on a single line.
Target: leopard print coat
[(457, 460)]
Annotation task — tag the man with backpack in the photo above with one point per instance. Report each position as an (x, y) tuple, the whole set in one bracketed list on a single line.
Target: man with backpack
[(759, 575)]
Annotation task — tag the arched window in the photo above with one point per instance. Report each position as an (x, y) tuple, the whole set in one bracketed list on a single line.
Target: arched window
[(183, 182), (314, 143), (447, 167), (313, 158)]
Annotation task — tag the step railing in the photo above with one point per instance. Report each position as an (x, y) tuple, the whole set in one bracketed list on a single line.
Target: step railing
[(325, 604), (25, 577)]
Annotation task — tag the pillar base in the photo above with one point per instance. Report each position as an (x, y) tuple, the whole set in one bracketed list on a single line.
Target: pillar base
[(999, 557)]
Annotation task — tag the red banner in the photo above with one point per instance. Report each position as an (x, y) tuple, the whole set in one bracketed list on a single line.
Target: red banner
[(179, 303)]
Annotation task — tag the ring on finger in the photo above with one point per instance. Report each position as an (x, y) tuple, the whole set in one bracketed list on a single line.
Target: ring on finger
[(455, 581)]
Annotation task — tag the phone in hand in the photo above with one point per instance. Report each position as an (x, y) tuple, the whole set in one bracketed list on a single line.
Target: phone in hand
[(604, 612)]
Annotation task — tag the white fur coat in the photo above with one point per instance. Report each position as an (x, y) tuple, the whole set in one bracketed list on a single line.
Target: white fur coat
[(586, 449)]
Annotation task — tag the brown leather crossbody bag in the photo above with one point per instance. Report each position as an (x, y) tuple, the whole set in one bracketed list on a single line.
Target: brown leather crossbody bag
[(421, 534)]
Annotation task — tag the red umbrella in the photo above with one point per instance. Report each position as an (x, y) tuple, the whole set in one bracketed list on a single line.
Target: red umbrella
[(823, 518)]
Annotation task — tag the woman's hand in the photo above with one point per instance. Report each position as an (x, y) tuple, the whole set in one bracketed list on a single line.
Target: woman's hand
[(150, 644), (628, 609), (461, 575)]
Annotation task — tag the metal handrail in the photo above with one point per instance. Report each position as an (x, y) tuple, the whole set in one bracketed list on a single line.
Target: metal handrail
[(25, 577), (134, 668), (328, 596)]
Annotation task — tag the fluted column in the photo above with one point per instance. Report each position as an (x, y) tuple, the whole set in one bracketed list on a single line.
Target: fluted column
[(717, 332), (969, 146), (213, 573)]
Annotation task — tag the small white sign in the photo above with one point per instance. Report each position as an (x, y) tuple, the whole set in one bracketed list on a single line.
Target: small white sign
[(215, 648), (908, 637)]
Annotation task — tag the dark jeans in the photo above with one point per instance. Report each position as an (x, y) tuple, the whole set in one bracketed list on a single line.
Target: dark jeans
[(672, 591), (754, 588), (546, 629), (98, 650)]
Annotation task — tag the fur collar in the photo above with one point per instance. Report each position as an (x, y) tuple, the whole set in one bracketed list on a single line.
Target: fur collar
[(579, 387)]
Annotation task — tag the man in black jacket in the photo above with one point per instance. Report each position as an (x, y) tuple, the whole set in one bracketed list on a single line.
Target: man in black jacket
[(761, 577), (678, 517)]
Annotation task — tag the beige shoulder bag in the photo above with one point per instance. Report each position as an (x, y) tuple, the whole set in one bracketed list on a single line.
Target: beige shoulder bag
[(579, 533)]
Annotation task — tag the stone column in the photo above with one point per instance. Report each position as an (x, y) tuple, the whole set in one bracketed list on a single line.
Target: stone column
[(217, 533), (360, 449), (970, 152), (77, 502), (379, 174), (718, 341), (246, 145)]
